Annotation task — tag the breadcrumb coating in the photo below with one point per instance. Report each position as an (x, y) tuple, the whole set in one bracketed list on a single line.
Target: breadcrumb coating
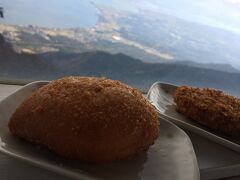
[(210, 107), (89, 119)]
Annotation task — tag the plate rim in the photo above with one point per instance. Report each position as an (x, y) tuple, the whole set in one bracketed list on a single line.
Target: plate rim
[(64, 171), (202, 132)]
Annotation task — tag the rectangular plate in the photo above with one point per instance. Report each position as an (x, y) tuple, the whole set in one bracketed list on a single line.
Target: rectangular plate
[(161, 96), (171, 157), (214, 160)]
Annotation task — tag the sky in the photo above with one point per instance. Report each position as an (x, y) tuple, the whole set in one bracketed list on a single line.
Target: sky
[(223, 14)]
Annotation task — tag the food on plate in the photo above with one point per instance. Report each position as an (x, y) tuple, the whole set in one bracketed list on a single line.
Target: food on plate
[(210, 107), (89, 119)]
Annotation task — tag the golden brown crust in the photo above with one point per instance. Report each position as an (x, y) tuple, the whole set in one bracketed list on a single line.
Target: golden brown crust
[(89, 119), (210, 107)]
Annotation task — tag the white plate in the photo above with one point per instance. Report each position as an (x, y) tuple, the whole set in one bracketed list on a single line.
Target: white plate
[(161, 96), (171, 157)]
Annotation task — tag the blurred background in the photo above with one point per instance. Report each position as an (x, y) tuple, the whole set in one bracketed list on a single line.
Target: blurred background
[(190, 42)]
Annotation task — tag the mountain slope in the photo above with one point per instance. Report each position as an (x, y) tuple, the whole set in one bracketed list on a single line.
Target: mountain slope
[(119, 66), (22, 66), (146, 35), (213, 66)]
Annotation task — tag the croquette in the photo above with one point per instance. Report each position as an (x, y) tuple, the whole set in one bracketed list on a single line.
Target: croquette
[(88, 119), (209, 107)]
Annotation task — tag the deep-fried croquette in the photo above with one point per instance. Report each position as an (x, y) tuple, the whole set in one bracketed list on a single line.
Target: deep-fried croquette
[(88, 119), (210, 107)]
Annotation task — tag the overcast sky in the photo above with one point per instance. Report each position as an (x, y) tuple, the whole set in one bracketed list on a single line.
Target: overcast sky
[(218, 13), (75, 13)]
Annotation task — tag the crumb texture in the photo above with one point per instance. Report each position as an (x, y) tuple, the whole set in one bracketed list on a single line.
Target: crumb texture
[(210, 107), (86, 118)]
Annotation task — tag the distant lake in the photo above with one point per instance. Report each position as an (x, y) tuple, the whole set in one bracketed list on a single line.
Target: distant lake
[(50, 13), (57, 13)]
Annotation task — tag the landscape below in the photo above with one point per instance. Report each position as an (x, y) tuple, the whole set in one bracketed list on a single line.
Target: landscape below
[(52, 65)]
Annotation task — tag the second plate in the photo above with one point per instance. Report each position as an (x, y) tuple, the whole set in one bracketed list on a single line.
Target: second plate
[(161, 96)]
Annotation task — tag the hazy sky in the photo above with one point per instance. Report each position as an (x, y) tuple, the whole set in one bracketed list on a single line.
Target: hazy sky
[(218, 13), (75, 13)]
